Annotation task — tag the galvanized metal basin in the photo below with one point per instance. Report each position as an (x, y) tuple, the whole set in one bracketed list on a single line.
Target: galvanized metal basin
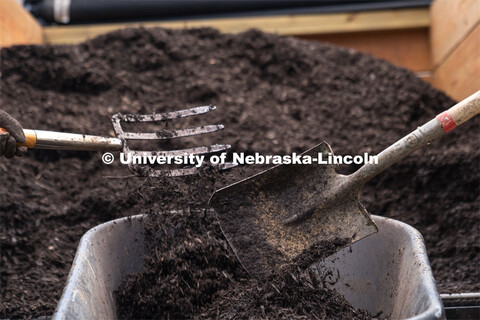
[(387, 272)]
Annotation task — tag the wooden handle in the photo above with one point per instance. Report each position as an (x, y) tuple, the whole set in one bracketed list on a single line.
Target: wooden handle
[(40, 139), (30, 138), (460, 113), (434, 129), (466, 109)]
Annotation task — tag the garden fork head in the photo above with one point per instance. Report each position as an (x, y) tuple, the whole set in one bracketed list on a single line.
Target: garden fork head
[(41, 139), (145, 170)]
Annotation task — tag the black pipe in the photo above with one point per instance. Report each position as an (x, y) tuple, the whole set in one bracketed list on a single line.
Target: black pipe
[(82, 11)]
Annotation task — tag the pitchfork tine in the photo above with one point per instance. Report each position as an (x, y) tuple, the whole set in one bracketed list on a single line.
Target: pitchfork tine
[(195, 151), (147, 171), (168, 134), (166, 116)]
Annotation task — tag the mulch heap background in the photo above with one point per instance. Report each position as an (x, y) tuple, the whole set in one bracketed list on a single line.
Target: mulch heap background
[(274, 95)]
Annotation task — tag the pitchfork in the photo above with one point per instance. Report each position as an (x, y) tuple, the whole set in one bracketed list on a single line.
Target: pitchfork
[(40, 139)]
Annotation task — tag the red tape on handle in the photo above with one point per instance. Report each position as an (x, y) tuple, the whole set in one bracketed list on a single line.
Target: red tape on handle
[(446, 121)]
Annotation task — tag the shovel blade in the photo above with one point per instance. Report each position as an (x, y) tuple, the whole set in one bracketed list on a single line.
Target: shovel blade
[(254, 213)]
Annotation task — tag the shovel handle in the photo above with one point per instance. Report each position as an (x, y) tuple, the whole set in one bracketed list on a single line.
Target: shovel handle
[(462, 111), (40, 139), (432, 130)]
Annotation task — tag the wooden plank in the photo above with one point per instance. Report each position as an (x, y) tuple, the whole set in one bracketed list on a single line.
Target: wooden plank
[(17, 26), (459, 75), (284, 25), (406, 48), (451, 22), (428, 79)]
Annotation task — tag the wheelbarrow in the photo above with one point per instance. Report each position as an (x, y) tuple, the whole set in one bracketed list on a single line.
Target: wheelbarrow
[(462, 306), (387, 273)]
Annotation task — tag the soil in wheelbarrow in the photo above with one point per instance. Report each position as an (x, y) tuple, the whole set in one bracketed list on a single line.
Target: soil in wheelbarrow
[(274, 95), (192, 273)]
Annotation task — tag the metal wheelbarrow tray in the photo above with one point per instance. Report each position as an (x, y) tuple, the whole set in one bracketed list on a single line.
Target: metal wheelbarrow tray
[(462, 306), (387, 272)]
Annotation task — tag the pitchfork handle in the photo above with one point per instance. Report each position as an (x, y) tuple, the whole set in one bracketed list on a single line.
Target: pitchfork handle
[(40, 139)]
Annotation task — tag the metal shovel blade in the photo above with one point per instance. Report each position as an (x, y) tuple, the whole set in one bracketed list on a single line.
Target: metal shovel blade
[(269, 219), (272, 218)]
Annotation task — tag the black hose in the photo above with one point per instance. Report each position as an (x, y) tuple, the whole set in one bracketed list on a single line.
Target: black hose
[(83, 11)]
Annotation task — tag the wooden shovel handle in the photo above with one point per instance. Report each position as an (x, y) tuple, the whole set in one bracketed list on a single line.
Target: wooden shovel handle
[(434, 129), (460, 113)]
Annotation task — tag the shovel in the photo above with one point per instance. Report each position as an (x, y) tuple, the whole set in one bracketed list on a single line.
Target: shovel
[(272, 218)]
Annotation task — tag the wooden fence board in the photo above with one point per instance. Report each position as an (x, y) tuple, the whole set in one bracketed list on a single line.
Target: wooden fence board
[(407, 48), (459, 74), (284, 25), (17, 26), (451, 22)]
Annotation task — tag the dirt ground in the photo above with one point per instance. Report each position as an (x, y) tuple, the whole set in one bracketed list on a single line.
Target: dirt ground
[(274, 95)]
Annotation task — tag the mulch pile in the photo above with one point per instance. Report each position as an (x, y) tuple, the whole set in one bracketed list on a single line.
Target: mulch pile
[(274, 95)]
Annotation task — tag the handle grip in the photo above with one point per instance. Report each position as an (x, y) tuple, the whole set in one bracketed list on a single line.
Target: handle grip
[(30, 138), (40, 139)]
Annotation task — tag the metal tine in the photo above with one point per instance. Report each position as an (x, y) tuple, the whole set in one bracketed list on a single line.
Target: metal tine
[(147, 171), (166, 116), (169, 134), (195, 151)]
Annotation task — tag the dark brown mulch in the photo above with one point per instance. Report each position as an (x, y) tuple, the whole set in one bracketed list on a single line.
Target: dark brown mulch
[(274, 95), (192, 273), (291, 293)]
